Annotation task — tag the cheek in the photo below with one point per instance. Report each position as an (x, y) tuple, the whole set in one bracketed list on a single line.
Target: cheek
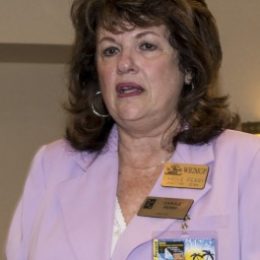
[(105, 76), (168, 79), (106, 83), (165, 73)]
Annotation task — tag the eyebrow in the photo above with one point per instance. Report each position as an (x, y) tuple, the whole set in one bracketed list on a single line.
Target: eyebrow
[(142, 34), (106, 38), (137, 36)]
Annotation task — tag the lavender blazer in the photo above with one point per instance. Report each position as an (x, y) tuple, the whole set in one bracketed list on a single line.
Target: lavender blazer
[(67, 209)]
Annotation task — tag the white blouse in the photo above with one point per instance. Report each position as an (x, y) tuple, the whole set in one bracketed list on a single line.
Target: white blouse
[(119, 225)]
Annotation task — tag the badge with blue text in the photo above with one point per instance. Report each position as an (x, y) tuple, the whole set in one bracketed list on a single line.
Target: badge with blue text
[(184, 249), (191, 176)]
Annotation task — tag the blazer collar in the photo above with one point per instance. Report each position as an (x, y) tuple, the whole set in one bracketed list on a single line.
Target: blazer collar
[(195, 154), (88, 202), (142, 229), (85, 159)]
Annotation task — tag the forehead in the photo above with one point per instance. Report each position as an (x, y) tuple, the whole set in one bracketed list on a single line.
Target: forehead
[(133, 31)]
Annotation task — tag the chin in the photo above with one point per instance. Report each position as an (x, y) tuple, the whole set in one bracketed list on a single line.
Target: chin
[(130, 114), (128, 118)]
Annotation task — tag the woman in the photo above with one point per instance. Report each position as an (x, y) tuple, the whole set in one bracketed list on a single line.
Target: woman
[(148, 168)]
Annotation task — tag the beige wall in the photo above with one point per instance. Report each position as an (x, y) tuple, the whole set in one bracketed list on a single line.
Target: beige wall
[(239, 25), (31, 93), (30, 21), (31, 115)]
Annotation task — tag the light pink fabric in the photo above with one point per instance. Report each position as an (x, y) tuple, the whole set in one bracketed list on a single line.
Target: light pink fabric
[(67, 209)]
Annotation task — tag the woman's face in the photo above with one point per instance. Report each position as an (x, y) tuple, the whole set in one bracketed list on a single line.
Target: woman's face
[(139, 76)]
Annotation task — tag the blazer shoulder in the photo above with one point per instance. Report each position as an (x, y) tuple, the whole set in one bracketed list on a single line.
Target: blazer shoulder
[(59, 149), (239, 137), (59, 161), (239, 141)]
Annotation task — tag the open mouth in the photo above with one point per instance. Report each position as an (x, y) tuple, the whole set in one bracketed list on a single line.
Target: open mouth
[(128, 89)]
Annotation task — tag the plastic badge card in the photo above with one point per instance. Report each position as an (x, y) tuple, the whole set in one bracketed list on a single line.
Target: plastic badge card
[(186, 249)]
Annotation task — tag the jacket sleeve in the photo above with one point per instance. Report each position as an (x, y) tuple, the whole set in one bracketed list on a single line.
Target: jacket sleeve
[(250, 212), (21, 227)]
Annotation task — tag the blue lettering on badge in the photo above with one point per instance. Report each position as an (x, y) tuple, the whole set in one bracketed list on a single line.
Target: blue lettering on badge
[(186, 249)]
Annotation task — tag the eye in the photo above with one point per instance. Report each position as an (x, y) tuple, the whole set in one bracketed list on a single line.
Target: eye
[(146, 46), (110, 51)]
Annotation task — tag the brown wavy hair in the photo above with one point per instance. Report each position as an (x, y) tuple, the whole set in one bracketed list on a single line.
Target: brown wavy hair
[(193, 33)]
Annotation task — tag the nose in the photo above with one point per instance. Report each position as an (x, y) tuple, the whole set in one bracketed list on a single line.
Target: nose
[(126, 63)]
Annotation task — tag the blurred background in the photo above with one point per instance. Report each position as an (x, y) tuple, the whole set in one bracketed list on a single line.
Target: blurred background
[(35, 40)]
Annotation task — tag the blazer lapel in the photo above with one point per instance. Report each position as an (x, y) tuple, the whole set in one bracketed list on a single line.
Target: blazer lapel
[(142, 229), (87, 204)]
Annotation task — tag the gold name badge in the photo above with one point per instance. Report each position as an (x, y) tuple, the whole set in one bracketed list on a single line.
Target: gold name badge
[(192, 176), (158, 207)]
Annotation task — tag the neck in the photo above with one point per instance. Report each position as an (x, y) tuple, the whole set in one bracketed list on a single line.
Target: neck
[(143, 152)]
